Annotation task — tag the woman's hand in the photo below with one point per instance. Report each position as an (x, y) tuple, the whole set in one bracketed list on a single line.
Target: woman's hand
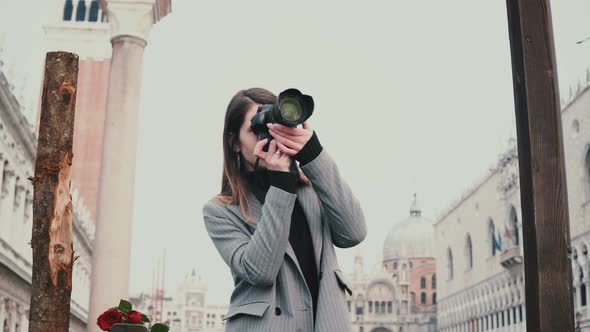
[(274, 159), (290, 140)]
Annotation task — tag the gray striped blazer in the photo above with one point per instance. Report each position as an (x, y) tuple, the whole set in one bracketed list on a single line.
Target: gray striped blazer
[(270, 293)]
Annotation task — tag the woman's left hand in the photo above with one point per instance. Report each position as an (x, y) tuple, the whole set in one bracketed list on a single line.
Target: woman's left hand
[(290, 140)]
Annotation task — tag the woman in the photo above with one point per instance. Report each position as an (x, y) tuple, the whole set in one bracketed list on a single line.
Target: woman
[(277, 229)]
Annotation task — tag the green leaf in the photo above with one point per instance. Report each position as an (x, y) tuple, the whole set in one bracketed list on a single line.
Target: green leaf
[(159, 328), (124, 306), (145, 318)]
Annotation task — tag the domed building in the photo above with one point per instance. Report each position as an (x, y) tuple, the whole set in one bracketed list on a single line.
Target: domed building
[(401, 295), (412, 240)]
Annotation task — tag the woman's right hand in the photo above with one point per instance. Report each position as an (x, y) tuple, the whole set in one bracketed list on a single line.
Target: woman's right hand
[(274, 159)]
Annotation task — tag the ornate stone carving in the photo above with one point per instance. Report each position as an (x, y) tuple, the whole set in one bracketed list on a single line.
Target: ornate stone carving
[(130, 18), (508, 169)]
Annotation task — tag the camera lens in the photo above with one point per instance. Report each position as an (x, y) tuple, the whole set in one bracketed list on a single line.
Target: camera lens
[(291, 109)]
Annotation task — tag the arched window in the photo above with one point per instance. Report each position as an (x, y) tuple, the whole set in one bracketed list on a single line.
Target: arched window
[(389, 307), (93, 17), (423, 298), (68, 9), (423, 283), (449, 263), (383, 307), (492, 237), (514, 226), (434, 281), (370, 306), (81, 11), (433, 298), (468, 252), (587, 173), (582, 289)]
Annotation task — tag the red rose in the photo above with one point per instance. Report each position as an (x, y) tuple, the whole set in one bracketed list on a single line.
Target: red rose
[(108, 319), (133, 317)]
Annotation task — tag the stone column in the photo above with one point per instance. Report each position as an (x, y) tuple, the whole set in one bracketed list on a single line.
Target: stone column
[(24, 320), (3, 313), (18, 216), (6, 201), (28, 222), (11, 308), (131, 21)]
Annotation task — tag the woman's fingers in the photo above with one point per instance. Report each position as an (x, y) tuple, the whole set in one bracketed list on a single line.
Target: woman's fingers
[(306, 125), (272, 149), (286, 150), (287, 131), (258, 149), (285, 141)]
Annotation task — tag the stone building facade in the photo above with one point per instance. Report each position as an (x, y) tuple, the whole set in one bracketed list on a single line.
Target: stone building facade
[(479, 237)]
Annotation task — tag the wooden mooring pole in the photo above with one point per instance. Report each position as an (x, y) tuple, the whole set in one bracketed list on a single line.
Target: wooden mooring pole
[(543, 190), (53, 252)]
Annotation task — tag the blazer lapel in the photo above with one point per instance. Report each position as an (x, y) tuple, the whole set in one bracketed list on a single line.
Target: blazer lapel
[(311, 208)]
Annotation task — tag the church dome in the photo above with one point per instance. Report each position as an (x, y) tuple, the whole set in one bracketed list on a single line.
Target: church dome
[(410, 238)]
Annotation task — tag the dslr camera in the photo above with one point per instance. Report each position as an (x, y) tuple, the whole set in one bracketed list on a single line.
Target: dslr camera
[(291, 109)]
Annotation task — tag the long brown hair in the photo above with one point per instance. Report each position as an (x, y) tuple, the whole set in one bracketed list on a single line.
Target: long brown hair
[(233, 183)]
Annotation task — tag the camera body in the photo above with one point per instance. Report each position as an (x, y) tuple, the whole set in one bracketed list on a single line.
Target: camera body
[(291, 109)]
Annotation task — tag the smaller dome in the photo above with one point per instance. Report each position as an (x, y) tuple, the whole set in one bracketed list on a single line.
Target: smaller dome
[(412, 237)]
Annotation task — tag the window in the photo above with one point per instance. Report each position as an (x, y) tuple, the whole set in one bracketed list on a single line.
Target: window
[(383, 307), (395, 265), (468, 252), (514, 227), (423, 298), (359, 310), (582, 289), (93, 11), (389, 307), (423, 283), (449, 263), (370, 306), (81, 11), (68, 9), (434, 281), (492, 237), (587, 173), (433, 298)]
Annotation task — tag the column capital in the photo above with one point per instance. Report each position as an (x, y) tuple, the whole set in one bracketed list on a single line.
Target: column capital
[(134, 18)]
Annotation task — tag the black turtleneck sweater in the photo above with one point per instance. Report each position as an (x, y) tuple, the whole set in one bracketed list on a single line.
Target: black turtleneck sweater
[(299, 234)]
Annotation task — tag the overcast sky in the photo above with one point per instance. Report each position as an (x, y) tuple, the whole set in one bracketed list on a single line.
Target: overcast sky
[(411, 97)]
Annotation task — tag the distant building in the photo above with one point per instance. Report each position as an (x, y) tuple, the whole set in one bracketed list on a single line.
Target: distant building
[(479, 237), (401, 295), (187, 311)]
